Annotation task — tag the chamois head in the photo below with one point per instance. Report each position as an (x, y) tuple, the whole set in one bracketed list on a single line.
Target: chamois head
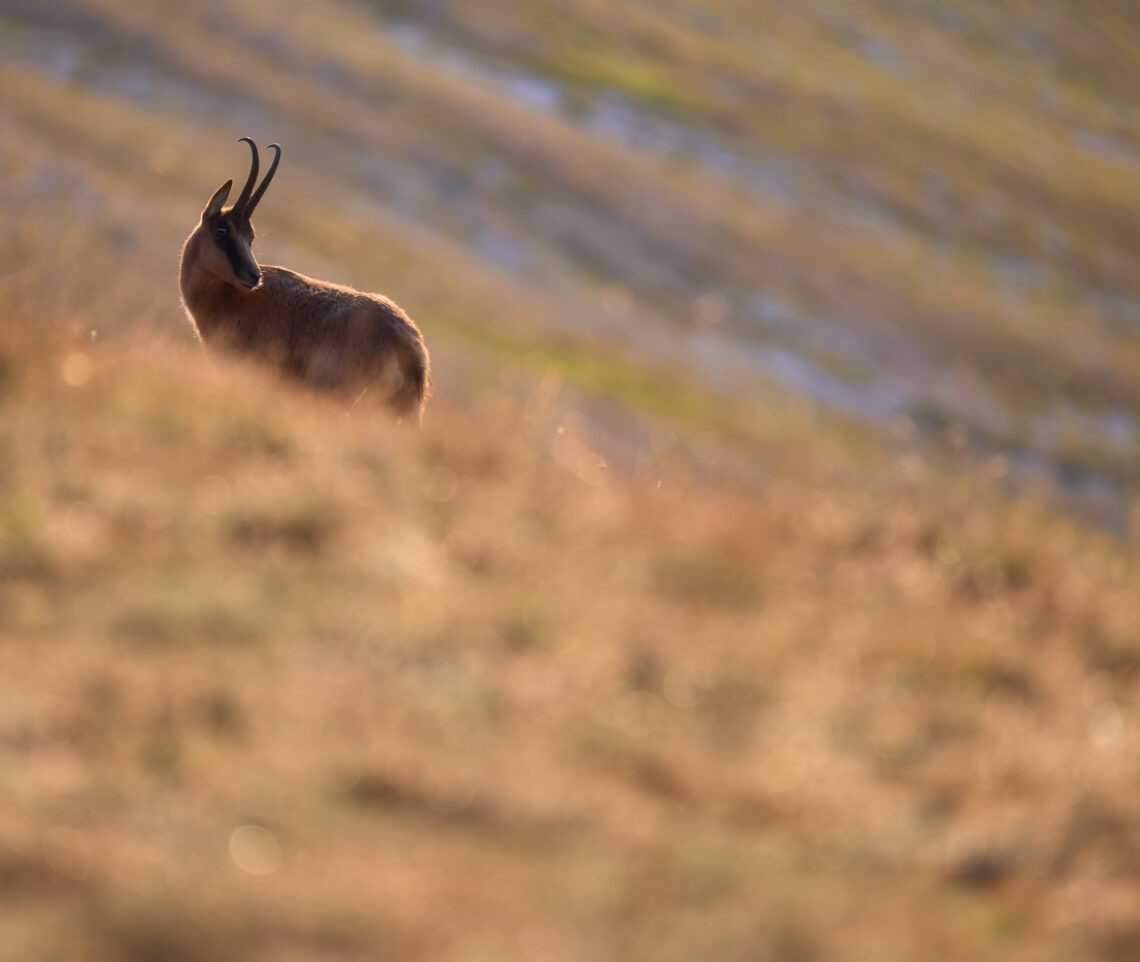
[(228, 233)]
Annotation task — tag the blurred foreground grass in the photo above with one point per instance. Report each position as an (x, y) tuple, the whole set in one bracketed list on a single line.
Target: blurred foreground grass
[(281, 680), (623, 655)]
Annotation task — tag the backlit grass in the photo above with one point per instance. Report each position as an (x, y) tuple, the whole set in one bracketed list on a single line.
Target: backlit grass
[(626, 653)]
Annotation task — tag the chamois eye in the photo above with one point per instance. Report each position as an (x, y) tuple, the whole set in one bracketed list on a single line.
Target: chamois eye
[(222, 231)]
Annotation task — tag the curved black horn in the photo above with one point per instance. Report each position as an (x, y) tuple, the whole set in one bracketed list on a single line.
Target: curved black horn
[(265, 183), (243, 197)]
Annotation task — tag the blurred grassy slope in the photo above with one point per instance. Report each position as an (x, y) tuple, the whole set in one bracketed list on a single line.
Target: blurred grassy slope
[(926, 215), (489, 697), (627, 654)]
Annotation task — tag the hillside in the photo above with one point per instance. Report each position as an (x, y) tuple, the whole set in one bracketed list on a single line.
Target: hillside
[(925, 215), (761, 583)]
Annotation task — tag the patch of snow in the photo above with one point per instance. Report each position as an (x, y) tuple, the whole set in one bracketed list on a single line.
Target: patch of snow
[(1117, 307), (885, 56), (1108, 148), (501, 251)]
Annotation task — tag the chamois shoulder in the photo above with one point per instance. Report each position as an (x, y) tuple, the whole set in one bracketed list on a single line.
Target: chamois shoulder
[(285, 279)]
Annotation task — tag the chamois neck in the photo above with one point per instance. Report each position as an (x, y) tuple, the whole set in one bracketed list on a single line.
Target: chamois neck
[(203, 292)]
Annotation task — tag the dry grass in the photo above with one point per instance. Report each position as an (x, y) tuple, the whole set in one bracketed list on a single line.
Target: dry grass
[(490, 692), (606, 661)]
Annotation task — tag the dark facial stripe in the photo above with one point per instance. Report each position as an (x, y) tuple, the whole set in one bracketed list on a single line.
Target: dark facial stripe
[(240, 262)]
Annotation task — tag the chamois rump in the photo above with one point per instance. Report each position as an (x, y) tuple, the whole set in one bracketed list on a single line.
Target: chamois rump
[(326, 335)]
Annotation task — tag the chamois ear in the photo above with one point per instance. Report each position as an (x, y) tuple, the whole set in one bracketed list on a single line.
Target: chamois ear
[(215, 206)]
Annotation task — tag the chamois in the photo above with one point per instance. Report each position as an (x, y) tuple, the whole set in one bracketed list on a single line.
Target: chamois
[(326, 335)]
